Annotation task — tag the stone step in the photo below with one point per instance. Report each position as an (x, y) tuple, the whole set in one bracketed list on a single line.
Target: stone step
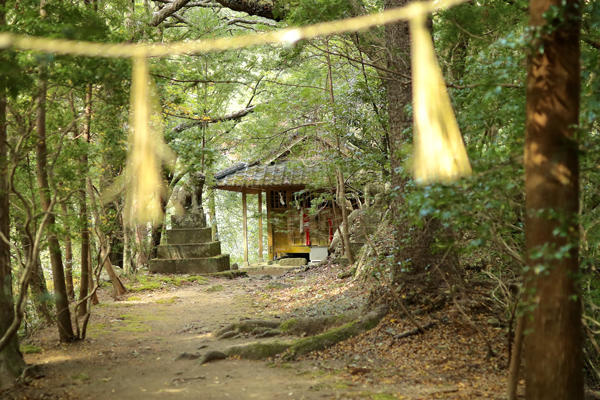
[(189, 236), (192, 250), (191, 265)]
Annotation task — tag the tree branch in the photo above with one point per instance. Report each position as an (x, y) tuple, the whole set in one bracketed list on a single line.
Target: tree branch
[(202, 121), (261, 8), (167, 11)]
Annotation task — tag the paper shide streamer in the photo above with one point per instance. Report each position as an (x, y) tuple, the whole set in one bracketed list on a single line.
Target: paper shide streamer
[(147, 153), (439, 150)]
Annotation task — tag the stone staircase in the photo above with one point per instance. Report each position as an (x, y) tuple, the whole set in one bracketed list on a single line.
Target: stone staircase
[(189, 248)]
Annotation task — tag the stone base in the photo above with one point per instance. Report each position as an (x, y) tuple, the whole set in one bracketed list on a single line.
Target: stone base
[(191, 220), (189, 235), (190, 265), (192, 250)]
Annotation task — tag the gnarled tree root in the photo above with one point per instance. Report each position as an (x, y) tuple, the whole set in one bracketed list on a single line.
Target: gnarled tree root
[(295, 348), (253, 326)]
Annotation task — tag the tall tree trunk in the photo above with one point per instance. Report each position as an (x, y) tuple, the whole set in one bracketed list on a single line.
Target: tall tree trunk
[(11, 360), (399, 96), (553, 346), (68, 253), (86, 266), (63, 315)]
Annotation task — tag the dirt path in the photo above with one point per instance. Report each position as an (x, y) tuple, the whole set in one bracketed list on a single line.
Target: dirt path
[(135, 349)]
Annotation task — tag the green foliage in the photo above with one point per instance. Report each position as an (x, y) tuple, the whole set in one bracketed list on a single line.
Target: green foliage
[(304, 12)]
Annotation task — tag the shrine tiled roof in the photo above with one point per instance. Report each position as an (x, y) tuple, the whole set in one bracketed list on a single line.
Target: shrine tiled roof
[(243, 176)]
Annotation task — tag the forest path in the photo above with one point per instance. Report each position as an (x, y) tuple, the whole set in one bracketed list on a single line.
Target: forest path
[(133, 346)]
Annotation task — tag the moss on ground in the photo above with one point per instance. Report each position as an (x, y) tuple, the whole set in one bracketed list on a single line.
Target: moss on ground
[(275, 286), (169, 300), (82, 376), (258, 351), (228, 274), (98, 328), (288, 325), (134, 298), (215, 288), (30, 349), (152, 282), (145, 282), (383, 396)]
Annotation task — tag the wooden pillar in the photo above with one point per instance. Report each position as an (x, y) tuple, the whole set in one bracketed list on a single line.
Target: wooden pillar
[(245, 227), (260, 229), (270, 245)]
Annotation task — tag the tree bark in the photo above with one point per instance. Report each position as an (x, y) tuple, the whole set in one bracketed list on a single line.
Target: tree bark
[(11, 360), (37, 285), (261, 8), (553, 347), (341, 197), (63, 315), (141, 233), (86, 266), (339, 174), (118, 287), (399, 96), (68, 253)]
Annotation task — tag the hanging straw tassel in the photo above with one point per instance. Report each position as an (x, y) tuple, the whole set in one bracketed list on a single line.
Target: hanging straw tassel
[(439, 151), (147, 151)]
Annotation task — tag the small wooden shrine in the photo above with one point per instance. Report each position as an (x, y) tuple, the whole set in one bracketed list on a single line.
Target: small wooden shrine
[(288, 185)]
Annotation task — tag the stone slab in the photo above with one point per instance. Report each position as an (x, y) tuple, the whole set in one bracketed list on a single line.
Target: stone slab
[(189, 236), (266, 269), (292, 262), (194, 250), (190, 265)]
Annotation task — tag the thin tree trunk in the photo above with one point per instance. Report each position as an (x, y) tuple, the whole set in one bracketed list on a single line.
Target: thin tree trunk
[(339, 175), (68, 253), (118, 287), (553, 345), (11, 360), (37, 285), (86, 266), (128, 267), (342, 203), (91, 278), (212, 212), (141, 232), (63, 315), (515, 360)]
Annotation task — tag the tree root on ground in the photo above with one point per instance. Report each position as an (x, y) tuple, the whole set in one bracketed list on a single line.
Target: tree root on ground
[(297, 347), (252, 326), (292, 326)]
